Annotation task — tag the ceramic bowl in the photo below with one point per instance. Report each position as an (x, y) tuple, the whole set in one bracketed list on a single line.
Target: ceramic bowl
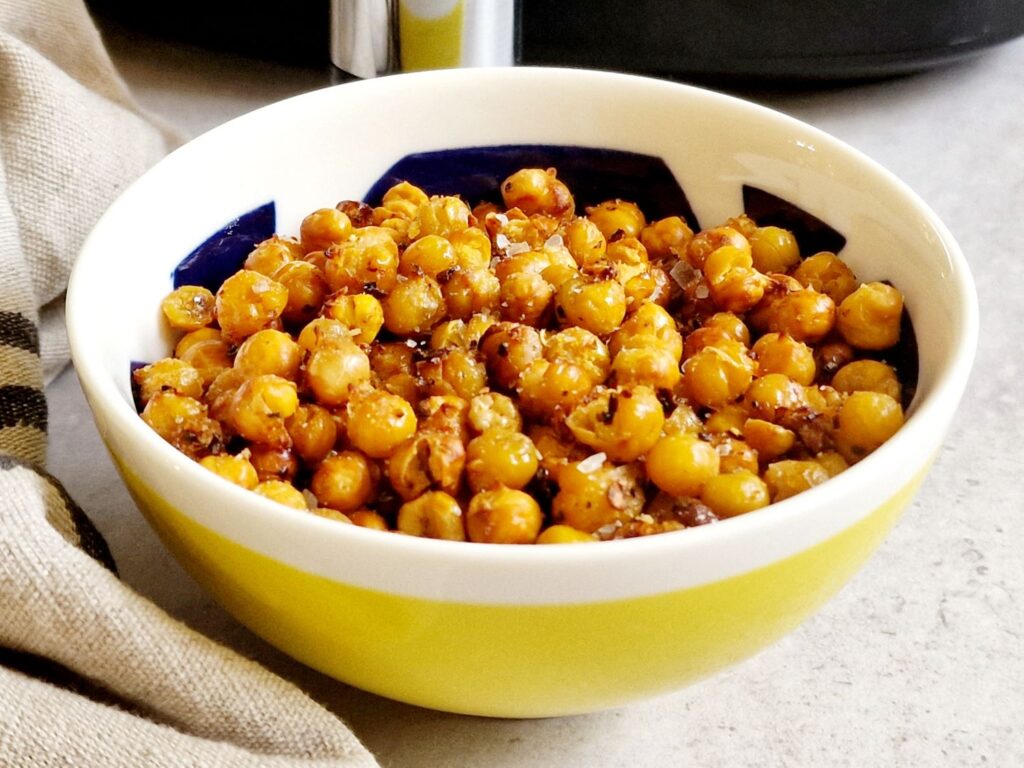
[(498, 629)]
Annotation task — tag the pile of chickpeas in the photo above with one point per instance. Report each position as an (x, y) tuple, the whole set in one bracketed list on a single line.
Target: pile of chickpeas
[(527, 373)]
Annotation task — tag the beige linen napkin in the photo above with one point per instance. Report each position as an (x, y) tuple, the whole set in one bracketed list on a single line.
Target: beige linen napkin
[(91, 674)]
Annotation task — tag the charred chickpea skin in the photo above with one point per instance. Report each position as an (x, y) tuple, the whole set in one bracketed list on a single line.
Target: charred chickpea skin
[(525, 373)]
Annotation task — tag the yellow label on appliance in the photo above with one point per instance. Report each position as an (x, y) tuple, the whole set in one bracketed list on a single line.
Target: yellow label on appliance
[(430, 33)]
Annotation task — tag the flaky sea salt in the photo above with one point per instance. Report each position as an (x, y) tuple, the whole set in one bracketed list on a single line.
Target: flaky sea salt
[(592, 463), (682, 273)]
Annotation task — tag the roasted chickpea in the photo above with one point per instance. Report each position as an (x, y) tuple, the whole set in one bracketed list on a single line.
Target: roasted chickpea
[(768, 439), (336, 370), (282, 493), (361, 312), (206, 351), (585, 242), (591, 498), (405, 191), (648, 324), (414, 306), (652, 366), (563, 534), (869, 318), (344, 481), (503, 516), (680, 464), (429, 255), (682, 419), (235, 469), (189, 307), (547, 388), (780, 353), (526, 298), (370, 258), (735, 493), (728, 418), (508, 349), (470, 291), (804, 314), (718, 374), (441, 215), (617, 218), (535, 190), (580, 347), (868, 376), (774, 249), (183, 422), (452, 372), (703, 244), (773, 395), (666, 237), (472, 248), (827, 273), (448, 414), (379, 422), (434, 515), (494, 411), (248, 302), (313, 432), (307, 290), (367, 518), (598, 306), (272, 254), (260, 407), (865, 421), (269, 352), (623, 423), (831, 356), (734, 454), (323, 228), (788, 478), (168, 375), (430, 459)]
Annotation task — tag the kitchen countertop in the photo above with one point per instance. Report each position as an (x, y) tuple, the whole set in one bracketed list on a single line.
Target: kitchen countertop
[(919, 661)]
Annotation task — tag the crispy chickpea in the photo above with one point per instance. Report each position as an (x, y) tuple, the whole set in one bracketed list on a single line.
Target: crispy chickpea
[(500, 458), (768, 439), (206, 351), (666, 237), (593, 498), (728, 418), (220, 393), (360, 312), (324, 227), (331, 514), (307, 290), (380, 422), (452, 372), (260, 407), (734, 454), (585, 242), (627, 251), (269, 351), (805, 314), (868, 376), (367, 518), (445, 413), (405, 191), (774, 249), (494, 411), (272, 254), (370, 258), (718, 374), (598, 306), (535, 190), (183, 422), (503, 516), (235, 469), (414, 306), (555, 448), (780, 353), (652, 366), (323, 332), (788, 478), (168, 375), (441, 215), (827, 273), (563, 534), (771, 396), (703, 244), (833, 462), (525, 298), (732, 281), (248, 302), (189, 307), (472, 248), (282, 493), (648, 323), (832, 356), (680, 464), (869, 318), (470, 291), (617, 218), (335, 371), (580, 347), (623, 423), (430, 459), (682, 419), (508, 349), (313, 432), (344, 481), (547, 388), (429, 255), (434, 515), (865, 421), (735, 493), (702, 337)]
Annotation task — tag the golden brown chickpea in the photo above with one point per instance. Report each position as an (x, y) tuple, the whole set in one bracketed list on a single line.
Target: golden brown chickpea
[(404, 191), (189, 308), (804, 314), (734, 454), (379, 422), (788, 478), (869, 318), (272, 254), (728, 418), (360, 312), (492, 411), (865, 421), (269, 351), (733, 283), (827, 273), (500, 458), (472, 248), (623, 423), (370, 258), (704, 337), (682, 419), (323, 228), (526, 298), (331, 514), (503, 516), (414, 306), (445, 413), (779, 353), (580, 347), (627, 251), (617, 218), (441, 215), (649, 323), (452, 372), (434, 515), (585, 242), (260, 407), (546, 389), (508, 349), (680, 464), (652, 366), (307, 290), (768, 439), (832, 356), (168, 375), (248, 302), (533, 262), (591, 498), (705, 243), (367, 518), (774, 249), (563, 534), (774, 395), (468, 292), (868, 376), (313, 432), (833, 462), (718, 374), (431, 459), (323, 332), (429, 255), (273, 463), (183, 422), (220, 393), (344, 481), (235, 469), (598, 306), (282, 493), (666, 237), (556, 448), (535, 190), (731, 324), (735, 493), (335, 371)]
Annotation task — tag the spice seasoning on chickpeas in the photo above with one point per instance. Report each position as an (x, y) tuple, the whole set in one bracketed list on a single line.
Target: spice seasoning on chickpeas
[(529, 373)]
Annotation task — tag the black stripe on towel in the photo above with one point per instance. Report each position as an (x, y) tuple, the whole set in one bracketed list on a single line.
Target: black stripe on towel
[(22, 406), (16, 330)]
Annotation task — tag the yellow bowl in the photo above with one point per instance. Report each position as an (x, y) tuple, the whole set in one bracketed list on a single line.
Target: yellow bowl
[(494, 629)]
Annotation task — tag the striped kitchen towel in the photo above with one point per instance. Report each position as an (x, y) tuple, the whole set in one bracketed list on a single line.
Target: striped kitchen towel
[(91, 674)]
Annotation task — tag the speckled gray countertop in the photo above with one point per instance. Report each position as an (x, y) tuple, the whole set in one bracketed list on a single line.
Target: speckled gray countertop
[(919, 661)]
